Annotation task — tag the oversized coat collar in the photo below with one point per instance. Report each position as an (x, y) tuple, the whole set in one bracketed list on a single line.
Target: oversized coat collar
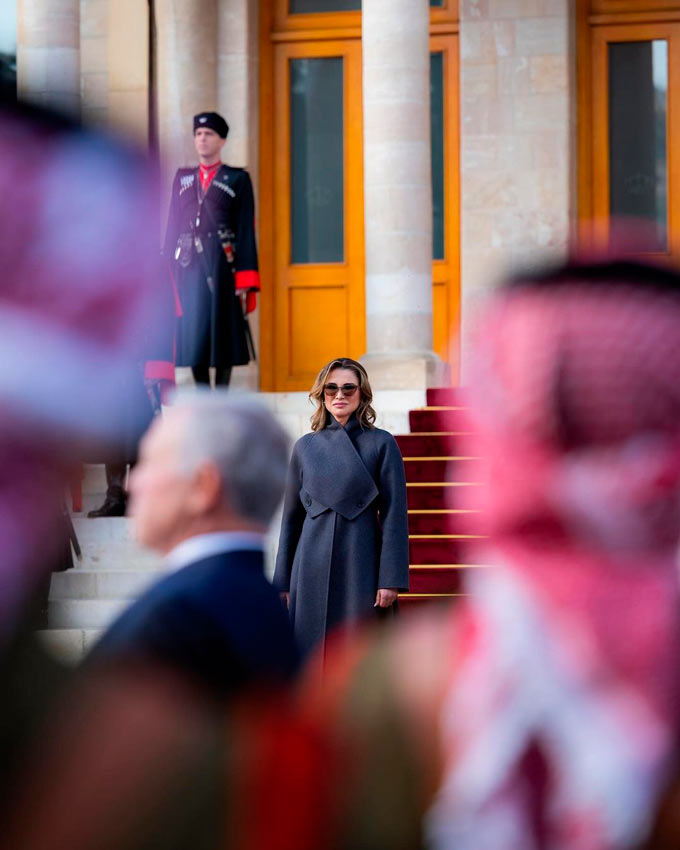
[(335, 476), (352, 425)]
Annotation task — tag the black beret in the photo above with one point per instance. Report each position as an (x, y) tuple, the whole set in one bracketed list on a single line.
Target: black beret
[(213, 121)]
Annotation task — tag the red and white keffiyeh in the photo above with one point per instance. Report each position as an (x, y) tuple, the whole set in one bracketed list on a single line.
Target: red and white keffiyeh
[(563, 707)]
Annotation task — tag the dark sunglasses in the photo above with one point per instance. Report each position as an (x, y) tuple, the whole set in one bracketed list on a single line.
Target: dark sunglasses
[(348, 390)]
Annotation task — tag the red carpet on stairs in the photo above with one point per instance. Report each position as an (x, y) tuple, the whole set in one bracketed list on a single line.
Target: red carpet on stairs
[(440, 444), (437, 459)]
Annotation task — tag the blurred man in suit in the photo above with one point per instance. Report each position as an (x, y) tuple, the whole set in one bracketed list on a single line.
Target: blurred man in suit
[(210, 475)]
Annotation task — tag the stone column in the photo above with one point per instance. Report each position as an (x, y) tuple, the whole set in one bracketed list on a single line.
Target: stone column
[(94, 61), (398, 194), (48, 53), (237, 80), (518, 165), (128, 71), (186, 38)]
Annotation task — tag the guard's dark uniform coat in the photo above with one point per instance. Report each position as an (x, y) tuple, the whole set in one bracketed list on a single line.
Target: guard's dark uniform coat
[(211, 329), (344, 531)]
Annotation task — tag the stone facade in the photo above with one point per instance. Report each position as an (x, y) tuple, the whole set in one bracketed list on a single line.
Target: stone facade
[(94, 62), (128, 68), (48, 53), (517, 130)]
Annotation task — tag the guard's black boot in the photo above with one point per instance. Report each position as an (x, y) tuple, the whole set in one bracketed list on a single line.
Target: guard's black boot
[(116, 497), (114, 503)]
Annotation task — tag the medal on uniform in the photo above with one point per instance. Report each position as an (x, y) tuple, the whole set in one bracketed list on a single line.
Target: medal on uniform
[(226, 238)]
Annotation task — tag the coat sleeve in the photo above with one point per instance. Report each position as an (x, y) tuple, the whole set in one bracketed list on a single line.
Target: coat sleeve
[(393, 570), (160, 349), (291, 523), (247, 274), (172, 227)]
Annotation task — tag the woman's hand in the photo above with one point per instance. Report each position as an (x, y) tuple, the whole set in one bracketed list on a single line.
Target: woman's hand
[(386, 596), (285, 598)]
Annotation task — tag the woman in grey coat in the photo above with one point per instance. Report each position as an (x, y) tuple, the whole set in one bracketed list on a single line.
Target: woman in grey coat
[(343, 548)]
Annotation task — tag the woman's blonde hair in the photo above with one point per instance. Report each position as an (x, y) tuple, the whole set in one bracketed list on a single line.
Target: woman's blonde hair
[(364, 413)]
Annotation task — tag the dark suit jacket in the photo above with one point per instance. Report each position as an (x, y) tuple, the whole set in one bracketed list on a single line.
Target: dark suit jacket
[(218, 621)]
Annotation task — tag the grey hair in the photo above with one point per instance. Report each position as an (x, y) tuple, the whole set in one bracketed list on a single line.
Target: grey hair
[(244, 441)]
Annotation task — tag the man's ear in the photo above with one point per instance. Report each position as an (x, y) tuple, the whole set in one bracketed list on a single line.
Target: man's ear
[(206, 489)]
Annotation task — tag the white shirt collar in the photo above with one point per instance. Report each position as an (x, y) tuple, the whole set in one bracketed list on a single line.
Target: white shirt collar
[(203, 546)]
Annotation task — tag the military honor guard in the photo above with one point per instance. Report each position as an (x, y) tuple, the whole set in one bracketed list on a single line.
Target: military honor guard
[(210, 248)]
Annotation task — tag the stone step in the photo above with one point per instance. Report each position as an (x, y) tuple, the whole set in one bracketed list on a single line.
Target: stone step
[(438, 419), (122, 559), (439, 496), (69, 646), (457, 396), (101, 584), (443, 521), (84, 614), (117, 557), (411, 601), (109, 543), (436, 579), (436, 444), (433, 469), (106, 529), (442, 549), (439, 578)]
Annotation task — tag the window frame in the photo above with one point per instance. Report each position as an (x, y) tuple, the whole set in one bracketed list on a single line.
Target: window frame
[(599, 23)]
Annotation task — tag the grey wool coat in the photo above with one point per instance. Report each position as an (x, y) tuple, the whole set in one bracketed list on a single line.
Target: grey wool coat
[(344, 531)]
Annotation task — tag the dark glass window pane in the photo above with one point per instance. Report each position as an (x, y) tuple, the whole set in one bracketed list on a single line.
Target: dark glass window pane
[(436, 3), (437, 152), (638, 106), (8, 51), (316, 145), (298, 7)]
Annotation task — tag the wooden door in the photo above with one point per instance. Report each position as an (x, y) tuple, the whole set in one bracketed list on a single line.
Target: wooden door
[(445, 200), (318, 203)]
